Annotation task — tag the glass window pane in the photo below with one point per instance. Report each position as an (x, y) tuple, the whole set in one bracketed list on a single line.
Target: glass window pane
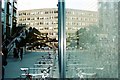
[(91, 39)]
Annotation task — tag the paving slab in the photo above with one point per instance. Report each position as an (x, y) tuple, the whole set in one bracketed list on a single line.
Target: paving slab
[(12, 70)]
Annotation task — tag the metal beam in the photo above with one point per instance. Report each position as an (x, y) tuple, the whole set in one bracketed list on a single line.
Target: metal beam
[(61, 39)]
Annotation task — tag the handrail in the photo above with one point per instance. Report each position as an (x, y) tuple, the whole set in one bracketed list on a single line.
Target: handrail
[(9, 47)]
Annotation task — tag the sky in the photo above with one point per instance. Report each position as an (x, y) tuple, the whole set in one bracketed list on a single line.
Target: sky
[(73, 4)]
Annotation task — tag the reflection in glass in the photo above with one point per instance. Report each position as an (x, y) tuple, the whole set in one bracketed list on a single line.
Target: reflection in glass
[(92, 41)]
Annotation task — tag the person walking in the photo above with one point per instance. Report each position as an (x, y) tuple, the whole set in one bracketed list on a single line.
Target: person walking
[(14, 52), (21, 53), (17, 53), (5, 51), (4, 63)]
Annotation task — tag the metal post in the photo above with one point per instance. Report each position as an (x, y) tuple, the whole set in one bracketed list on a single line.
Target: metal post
[(61, 39)]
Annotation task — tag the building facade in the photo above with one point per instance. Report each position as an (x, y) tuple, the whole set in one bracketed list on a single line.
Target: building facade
[(46, 20), (9, 9)]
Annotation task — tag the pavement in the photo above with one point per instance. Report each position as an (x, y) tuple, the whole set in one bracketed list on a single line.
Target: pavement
[(12, 70)]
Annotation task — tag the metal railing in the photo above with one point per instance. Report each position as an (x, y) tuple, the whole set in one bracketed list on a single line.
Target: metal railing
[(11, 45)]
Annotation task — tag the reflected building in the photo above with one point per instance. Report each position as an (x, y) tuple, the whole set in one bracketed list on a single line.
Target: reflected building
[(108, 36), (46, 20)]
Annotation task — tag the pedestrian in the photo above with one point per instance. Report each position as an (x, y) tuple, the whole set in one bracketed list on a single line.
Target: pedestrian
[(4, 63), (14, 52), (21, 53), (17, 53), (5, 51)]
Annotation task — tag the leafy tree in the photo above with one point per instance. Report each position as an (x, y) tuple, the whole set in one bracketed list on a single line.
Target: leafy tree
[(87, 36)]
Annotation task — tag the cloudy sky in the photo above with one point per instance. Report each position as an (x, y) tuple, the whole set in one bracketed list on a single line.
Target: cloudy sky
[(74, 4)]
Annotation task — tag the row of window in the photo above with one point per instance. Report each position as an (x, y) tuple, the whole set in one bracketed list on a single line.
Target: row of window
[(82, 19), (55, 23), (36, 13), (51, 12), (46, 28), (38, 18), (79, 23), (81, 13), (40, 23), (50, 34), (71, 18)]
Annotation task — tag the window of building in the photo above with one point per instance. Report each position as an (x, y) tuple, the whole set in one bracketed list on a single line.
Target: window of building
[(37, 23), (10, 21), (50, 28), (37, 18), (32, 18), (41, 18), (28, 18), (2, 16), (83, 24), (41, 12), (85, 19), (46, 28), (24, 13), (46, 12), (82, 13), (20, 14), (47, 23), (56, 17), (32, 13), (32, 24), (10, 9), (23, 19), (73, 12), (28, 13), (41, 22), (81, 19), (20, 19), (3, 3), (23, 23), (55, 11), (14, 13), (27, 23), (55, 28), (50, 33)]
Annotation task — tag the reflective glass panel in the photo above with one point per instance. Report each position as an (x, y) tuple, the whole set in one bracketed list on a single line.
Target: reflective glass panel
[(92, 39)]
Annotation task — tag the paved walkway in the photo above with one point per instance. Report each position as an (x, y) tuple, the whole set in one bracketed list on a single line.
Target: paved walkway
[(12, 70)]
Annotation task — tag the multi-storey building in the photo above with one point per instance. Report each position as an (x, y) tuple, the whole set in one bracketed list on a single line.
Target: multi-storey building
[(9, 8), (46, 20)]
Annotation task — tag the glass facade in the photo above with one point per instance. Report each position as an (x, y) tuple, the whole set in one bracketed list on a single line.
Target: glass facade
[(3, 3), (2, 16), (92, 51), (87, 44)]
